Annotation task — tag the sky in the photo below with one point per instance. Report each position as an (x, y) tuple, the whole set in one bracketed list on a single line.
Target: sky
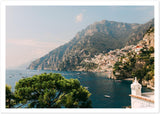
[(33, 31)]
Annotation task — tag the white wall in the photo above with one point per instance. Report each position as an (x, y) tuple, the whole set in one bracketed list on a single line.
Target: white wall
[(140, 103)]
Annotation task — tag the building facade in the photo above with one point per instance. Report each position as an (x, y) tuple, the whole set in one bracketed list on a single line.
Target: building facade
[(138, 99)]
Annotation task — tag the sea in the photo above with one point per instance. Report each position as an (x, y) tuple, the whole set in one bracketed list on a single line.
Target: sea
[(98, 84)]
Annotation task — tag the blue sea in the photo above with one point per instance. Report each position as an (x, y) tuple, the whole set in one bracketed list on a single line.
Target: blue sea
[(98, 85)]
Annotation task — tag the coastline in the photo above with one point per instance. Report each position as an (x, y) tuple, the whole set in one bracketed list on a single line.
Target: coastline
[(97, 85), (110, 76), (129, 79)]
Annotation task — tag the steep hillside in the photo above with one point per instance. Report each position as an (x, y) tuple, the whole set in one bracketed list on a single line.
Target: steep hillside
[(139, 62), (138, 33), (99, 37)]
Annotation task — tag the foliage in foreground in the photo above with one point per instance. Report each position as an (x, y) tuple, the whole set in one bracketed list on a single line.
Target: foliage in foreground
[(10, 99), (52, 91), (138, 65)]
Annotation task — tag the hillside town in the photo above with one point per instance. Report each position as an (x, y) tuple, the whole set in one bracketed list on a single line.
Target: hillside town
[(79, 57), (105, 62)]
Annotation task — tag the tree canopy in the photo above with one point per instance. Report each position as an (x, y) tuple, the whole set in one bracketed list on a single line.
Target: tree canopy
[(52, 91), (138, 65), (10, 99)]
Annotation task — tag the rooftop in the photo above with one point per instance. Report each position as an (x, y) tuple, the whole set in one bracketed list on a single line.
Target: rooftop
[(148, 96)]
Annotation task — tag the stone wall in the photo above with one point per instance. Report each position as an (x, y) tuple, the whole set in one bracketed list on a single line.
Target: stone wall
[(141, 102)]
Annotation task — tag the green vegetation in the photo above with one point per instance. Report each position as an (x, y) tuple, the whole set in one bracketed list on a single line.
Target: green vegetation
[(10, 99), (137, 65), (51, 91)]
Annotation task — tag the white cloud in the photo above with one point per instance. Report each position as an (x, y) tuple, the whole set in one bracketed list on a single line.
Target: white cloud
[(79, 18)]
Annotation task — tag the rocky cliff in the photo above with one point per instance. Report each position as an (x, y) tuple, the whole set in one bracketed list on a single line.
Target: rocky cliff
[(100, 37)]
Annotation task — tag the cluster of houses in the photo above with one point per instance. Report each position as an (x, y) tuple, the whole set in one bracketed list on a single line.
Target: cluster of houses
[(106, 61)]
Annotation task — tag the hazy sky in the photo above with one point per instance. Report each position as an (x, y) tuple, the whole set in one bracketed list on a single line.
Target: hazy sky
[(33, 31)]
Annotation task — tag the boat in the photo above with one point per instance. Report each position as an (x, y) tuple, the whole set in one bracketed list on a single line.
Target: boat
[(24, 76), (11, 76), (84, 73), (106, 96), (119, 80), (86, 87)]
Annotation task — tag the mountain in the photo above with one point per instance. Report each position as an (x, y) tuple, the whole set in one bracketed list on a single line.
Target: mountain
[(100, 37), (138, 34)]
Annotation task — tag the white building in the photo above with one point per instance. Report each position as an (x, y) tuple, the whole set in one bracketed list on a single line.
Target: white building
[(138, 99)]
